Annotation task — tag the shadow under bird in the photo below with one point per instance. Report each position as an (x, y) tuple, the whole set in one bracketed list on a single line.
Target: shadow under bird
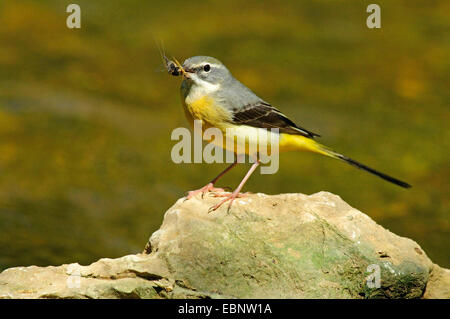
[(212, 95)]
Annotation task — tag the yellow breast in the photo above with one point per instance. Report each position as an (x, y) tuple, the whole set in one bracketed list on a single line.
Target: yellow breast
[(204, 109)]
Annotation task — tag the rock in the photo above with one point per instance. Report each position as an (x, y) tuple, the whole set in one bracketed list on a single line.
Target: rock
[(281, 246), (438, 285)]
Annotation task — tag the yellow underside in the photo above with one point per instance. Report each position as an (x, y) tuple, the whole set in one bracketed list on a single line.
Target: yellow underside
[(290, 142), (212, 116)]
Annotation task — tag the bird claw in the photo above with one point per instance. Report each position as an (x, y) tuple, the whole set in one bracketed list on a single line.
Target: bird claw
[(205, 189), (228, 197), (226, 194)]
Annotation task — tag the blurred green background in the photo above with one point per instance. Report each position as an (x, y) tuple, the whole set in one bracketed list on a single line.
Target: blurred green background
[(86, 115)]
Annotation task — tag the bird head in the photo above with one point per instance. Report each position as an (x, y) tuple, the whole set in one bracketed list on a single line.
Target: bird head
[(203, 71)]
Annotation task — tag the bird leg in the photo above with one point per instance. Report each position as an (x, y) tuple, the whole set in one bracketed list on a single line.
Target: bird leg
[(232, 196), (210, 186)]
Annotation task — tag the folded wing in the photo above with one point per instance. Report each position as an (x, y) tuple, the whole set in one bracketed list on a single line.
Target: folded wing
[(263, 115)]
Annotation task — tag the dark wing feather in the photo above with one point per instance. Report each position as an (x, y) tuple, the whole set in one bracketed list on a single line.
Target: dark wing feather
[(264, 115)]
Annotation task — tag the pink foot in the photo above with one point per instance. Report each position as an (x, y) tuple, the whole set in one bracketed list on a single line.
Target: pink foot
[(228, 197), (205, 189), (226, 194)]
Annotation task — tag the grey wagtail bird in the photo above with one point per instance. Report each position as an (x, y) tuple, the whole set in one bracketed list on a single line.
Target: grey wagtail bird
[(212, 95)]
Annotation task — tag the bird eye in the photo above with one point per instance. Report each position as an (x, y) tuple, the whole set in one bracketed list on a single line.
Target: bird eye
[(206, 68)]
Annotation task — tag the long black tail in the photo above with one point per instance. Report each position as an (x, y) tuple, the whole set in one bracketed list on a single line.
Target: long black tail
[(366, 168), (374, 172)]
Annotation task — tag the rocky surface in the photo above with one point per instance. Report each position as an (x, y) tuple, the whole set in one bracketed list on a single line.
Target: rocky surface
[(281, 246)]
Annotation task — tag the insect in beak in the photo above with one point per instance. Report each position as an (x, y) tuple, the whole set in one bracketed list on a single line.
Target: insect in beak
[(179, 67), (175, 68), (171, 67)]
